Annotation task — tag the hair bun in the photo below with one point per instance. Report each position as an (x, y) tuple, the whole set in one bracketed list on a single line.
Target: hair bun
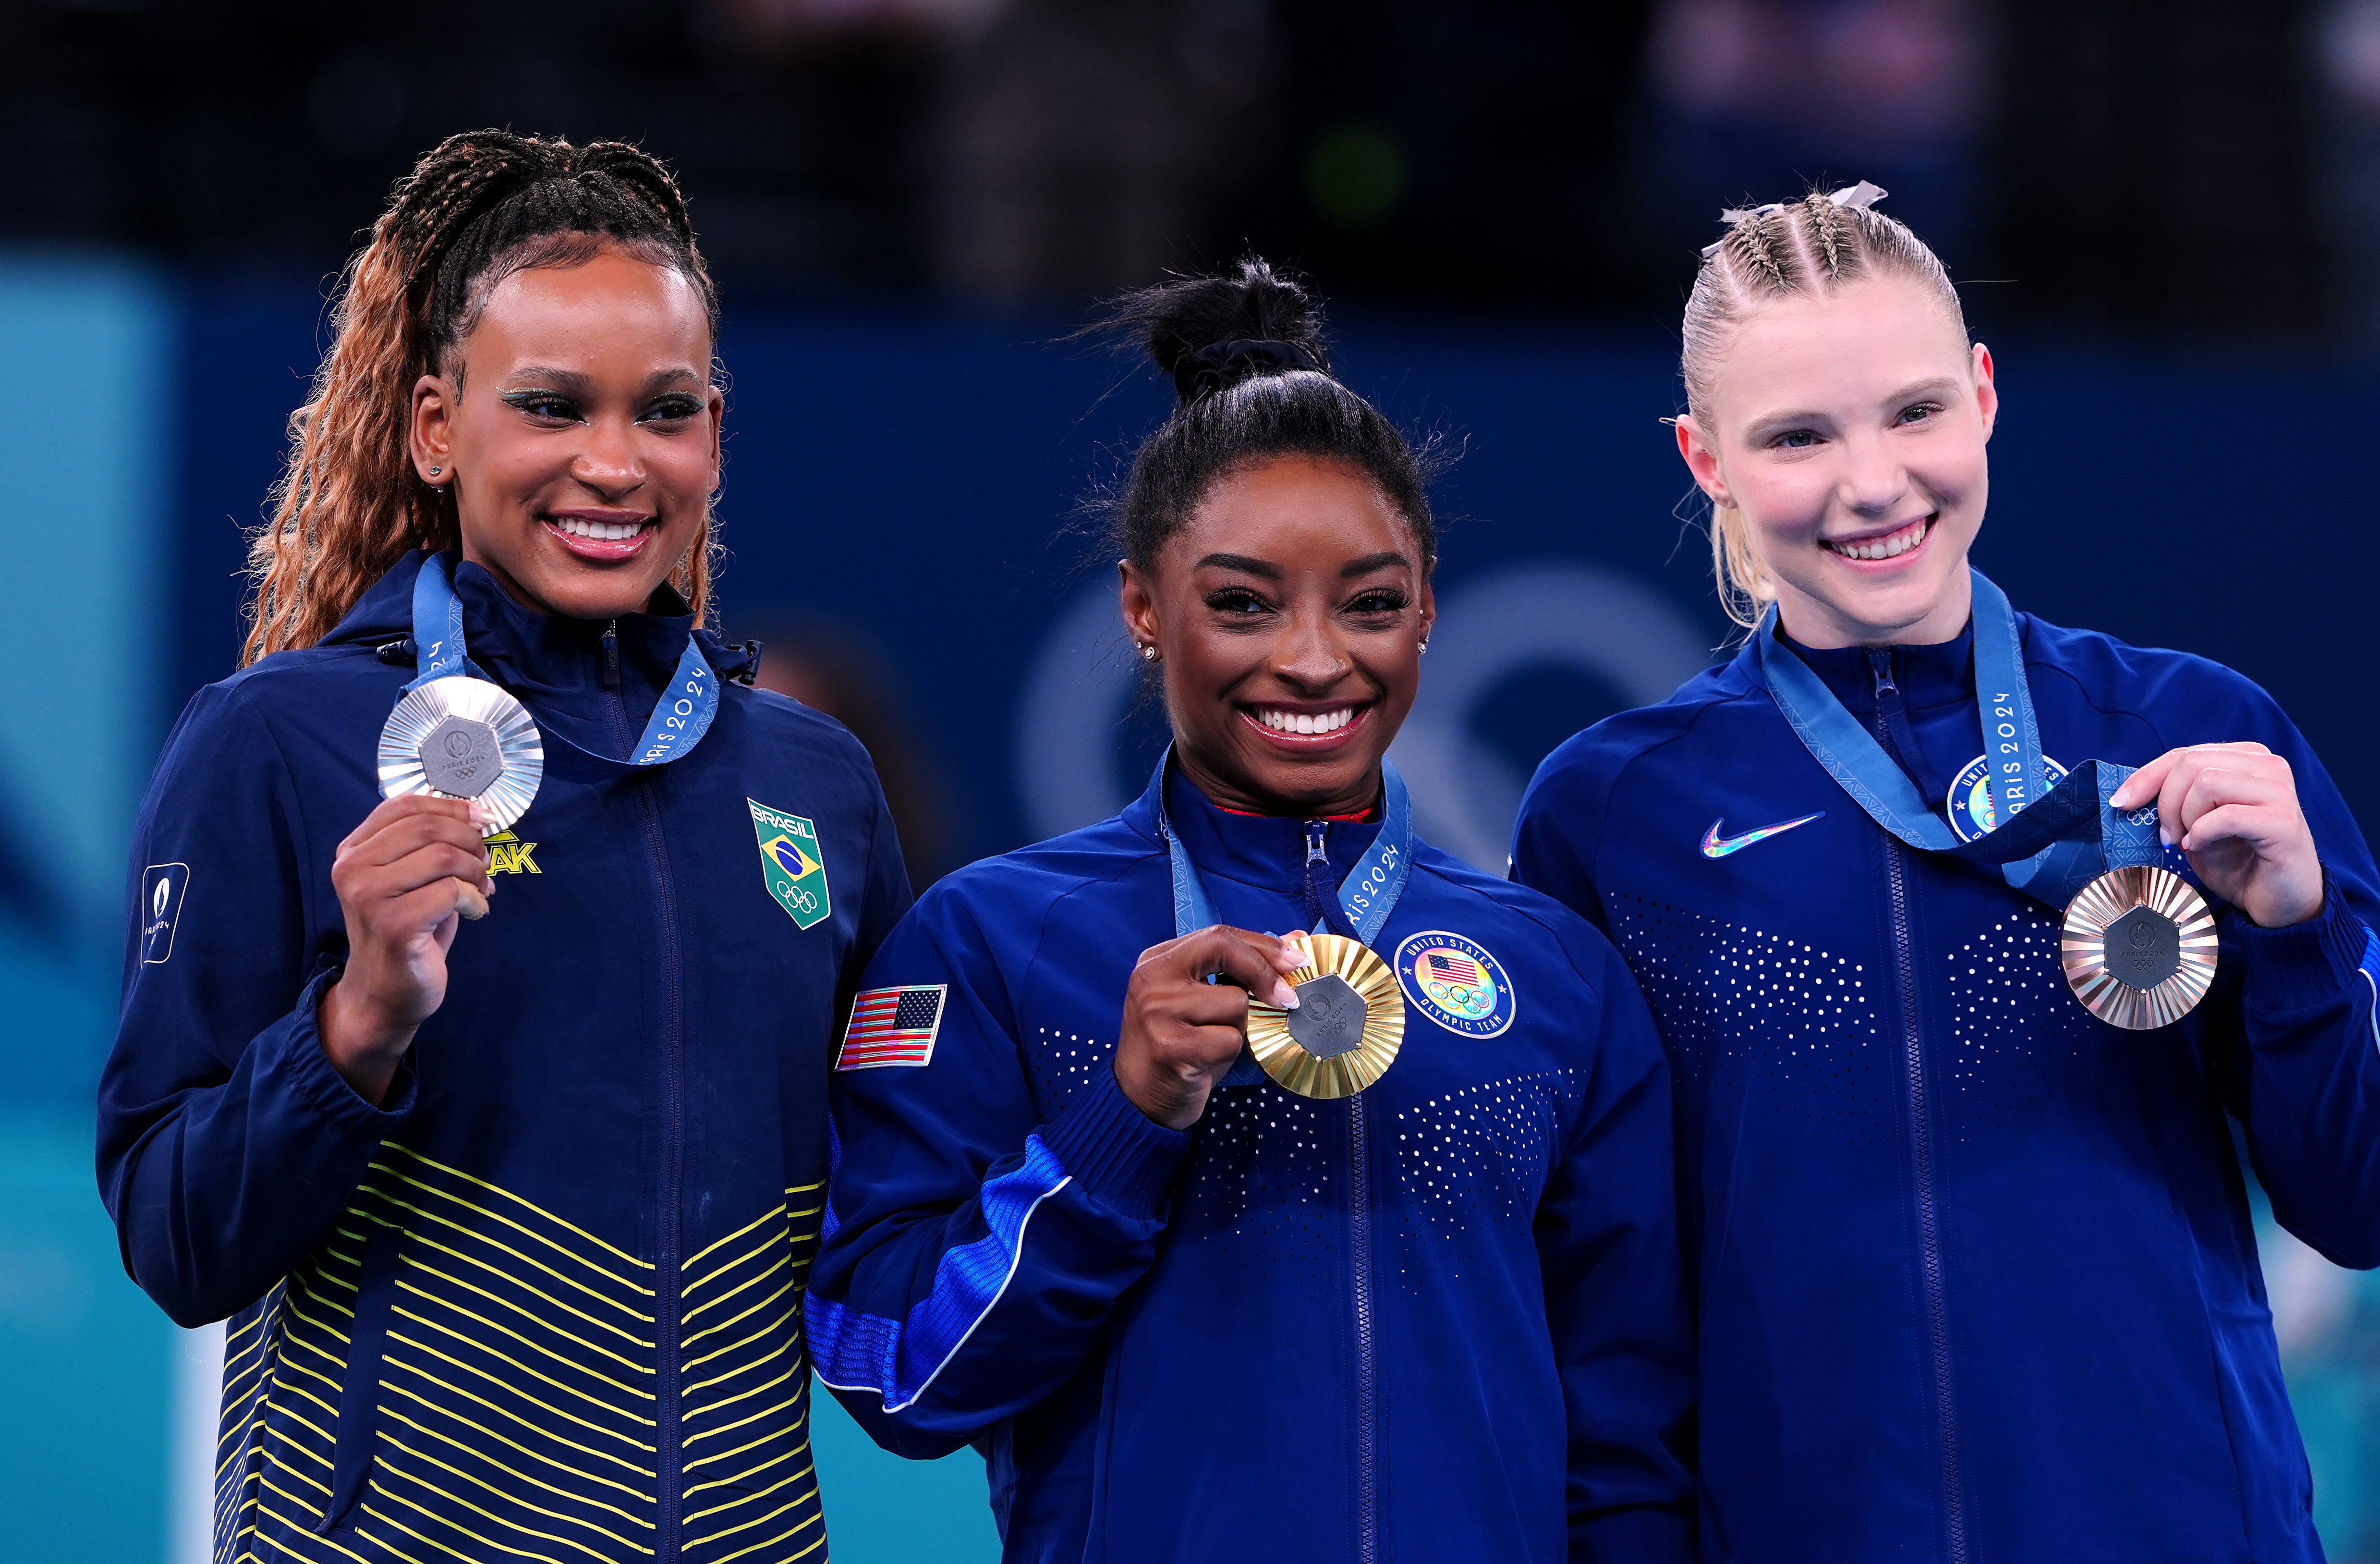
[(1219, 364), (1210, 332)]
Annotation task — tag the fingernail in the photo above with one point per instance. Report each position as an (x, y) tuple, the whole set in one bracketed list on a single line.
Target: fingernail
[(479, 813), (2164, 835), (1288, 1000)]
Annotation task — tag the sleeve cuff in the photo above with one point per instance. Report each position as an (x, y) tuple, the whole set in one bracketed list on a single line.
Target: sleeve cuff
[(317, 1081), (1113, 1150), (2305, 964)]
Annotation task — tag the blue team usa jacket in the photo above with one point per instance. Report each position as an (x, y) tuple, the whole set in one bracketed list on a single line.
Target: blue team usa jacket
[(1976, 1271), (1437, 1320), (543, 1302)]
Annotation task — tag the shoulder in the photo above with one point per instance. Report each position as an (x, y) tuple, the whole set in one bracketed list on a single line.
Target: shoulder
[(1558, 936), (784, 720), (1017, 891), (2187, 698), (280, 698), (1595, 758)]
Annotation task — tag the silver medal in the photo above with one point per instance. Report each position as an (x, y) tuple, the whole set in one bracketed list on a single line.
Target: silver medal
[(463, 737)]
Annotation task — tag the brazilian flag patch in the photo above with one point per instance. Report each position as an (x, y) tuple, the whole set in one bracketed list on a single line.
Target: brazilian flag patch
[(791, 865)]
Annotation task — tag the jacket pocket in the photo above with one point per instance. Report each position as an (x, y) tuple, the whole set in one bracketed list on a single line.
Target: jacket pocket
[(373, 1274)]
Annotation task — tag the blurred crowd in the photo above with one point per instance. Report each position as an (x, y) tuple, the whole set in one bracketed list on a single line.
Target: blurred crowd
[(2107, 164)]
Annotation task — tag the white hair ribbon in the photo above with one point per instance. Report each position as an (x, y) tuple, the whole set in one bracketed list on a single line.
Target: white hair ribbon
[(1862, 196), (1734, 214)]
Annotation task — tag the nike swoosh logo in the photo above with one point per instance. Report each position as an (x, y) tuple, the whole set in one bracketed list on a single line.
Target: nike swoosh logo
[(1717, 845)]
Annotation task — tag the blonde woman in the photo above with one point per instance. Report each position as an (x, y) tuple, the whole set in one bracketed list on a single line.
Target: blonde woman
[(1976, 1274)]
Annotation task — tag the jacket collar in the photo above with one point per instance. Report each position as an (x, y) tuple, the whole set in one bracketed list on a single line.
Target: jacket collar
[(1940, 675), (532, 654), (1264, 850)]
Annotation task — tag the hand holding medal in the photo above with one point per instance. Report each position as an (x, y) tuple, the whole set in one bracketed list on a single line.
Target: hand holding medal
[(2233, 809), (405, 878), (1181, 1033)]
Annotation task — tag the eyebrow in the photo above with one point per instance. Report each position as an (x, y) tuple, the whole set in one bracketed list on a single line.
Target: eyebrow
[(571, 380), (566, 380), (1242, 563), (1372, 562), (1933, 387)]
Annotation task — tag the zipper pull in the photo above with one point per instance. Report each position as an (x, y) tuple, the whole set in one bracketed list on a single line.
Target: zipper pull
[(612, 655), (1879, 663), (1313, 834)]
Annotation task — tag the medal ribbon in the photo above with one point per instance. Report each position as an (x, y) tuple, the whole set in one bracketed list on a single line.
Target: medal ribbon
[(680, 718), (2049, 843), (1366, 895)]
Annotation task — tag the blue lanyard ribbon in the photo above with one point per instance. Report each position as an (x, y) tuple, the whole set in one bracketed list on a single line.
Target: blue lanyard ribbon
[(1366, 895), (680, 718), (2049, 842)]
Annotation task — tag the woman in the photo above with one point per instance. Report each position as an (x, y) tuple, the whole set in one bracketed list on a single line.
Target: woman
[(509, 1220), (1977, 1277), (1187, 1312)]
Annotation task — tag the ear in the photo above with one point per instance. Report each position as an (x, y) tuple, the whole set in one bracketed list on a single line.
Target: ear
[(429, 439), (1429, 603), (718, 433), (1701, 459), (1137, 595), (1988, 392)]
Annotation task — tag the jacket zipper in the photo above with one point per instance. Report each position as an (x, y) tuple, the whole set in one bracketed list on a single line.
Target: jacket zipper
[(1921, 1140), (668, 1239), (1359, 1213), (1367, 1387)]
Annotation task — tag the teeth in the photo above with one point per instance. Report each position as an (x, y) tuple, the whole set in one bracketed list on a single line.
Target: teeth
[(601, 531), (1305, 722), (1891, 546)]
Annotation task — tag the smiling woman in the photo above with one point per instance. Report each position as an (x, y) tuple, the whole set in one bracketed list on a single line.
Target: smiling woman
[(510, 1221), (2002, 1229), (1352, 1240)]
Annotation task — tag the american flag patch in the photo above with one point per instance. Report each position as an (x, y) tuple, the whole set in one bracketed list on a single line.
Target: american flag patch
[(893, 1026), (1448, 967)]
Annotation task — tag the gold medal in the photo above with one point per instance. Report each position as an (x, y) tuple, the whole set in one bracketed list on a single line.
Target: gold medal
[(462, 737), (1344, 1034), (2139, 947)]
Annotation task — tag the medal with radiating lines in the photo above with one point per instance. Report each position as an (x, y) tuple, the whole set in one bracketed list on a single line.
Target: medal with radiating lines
[(1349, 1023)]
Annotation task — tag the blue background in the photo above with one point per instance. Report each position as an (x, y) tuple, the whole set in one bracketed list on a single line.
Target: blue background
[(908, 486)]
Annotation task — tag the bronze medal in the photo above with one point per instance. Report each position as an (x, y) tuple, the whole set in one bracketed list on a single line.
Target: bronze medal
[(2139, 947), (1346, 1029)]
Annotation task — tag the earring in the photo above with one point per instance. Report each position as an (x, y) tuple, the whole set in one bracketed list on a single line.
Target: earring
[(1423, 648), (436, 470), (1148, 653)]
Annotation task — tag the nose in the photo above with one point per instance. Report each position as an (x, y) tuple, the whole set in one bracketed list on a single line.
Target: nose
[(1311, 660), (607, 463), (1875, 480)]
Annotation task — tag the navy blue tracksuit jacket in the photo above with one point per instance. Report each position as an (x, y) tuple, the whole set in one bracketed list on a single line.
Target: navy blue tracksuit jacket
[(1977, 1278), (544, 1301), (1437, 1320)]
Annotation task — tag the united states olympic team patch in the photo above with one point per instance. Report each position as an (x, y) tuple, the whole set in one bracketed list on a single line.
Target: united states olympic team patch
[(1456, 983)]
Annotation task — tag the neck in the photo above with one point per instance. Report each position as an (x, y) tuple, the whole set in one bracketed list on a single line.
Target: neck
[(1239, 796), (1823, 627), (513, 589)]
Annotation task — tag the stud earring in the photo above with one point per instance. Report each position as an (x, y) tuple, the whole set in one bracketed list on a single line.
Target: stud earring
[(1148, 654)]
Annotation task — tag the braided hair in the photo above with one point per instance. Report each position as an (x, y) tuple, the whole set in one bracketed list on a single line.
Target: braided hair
[(475, 209), (1246, 352), (1783, 250)]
